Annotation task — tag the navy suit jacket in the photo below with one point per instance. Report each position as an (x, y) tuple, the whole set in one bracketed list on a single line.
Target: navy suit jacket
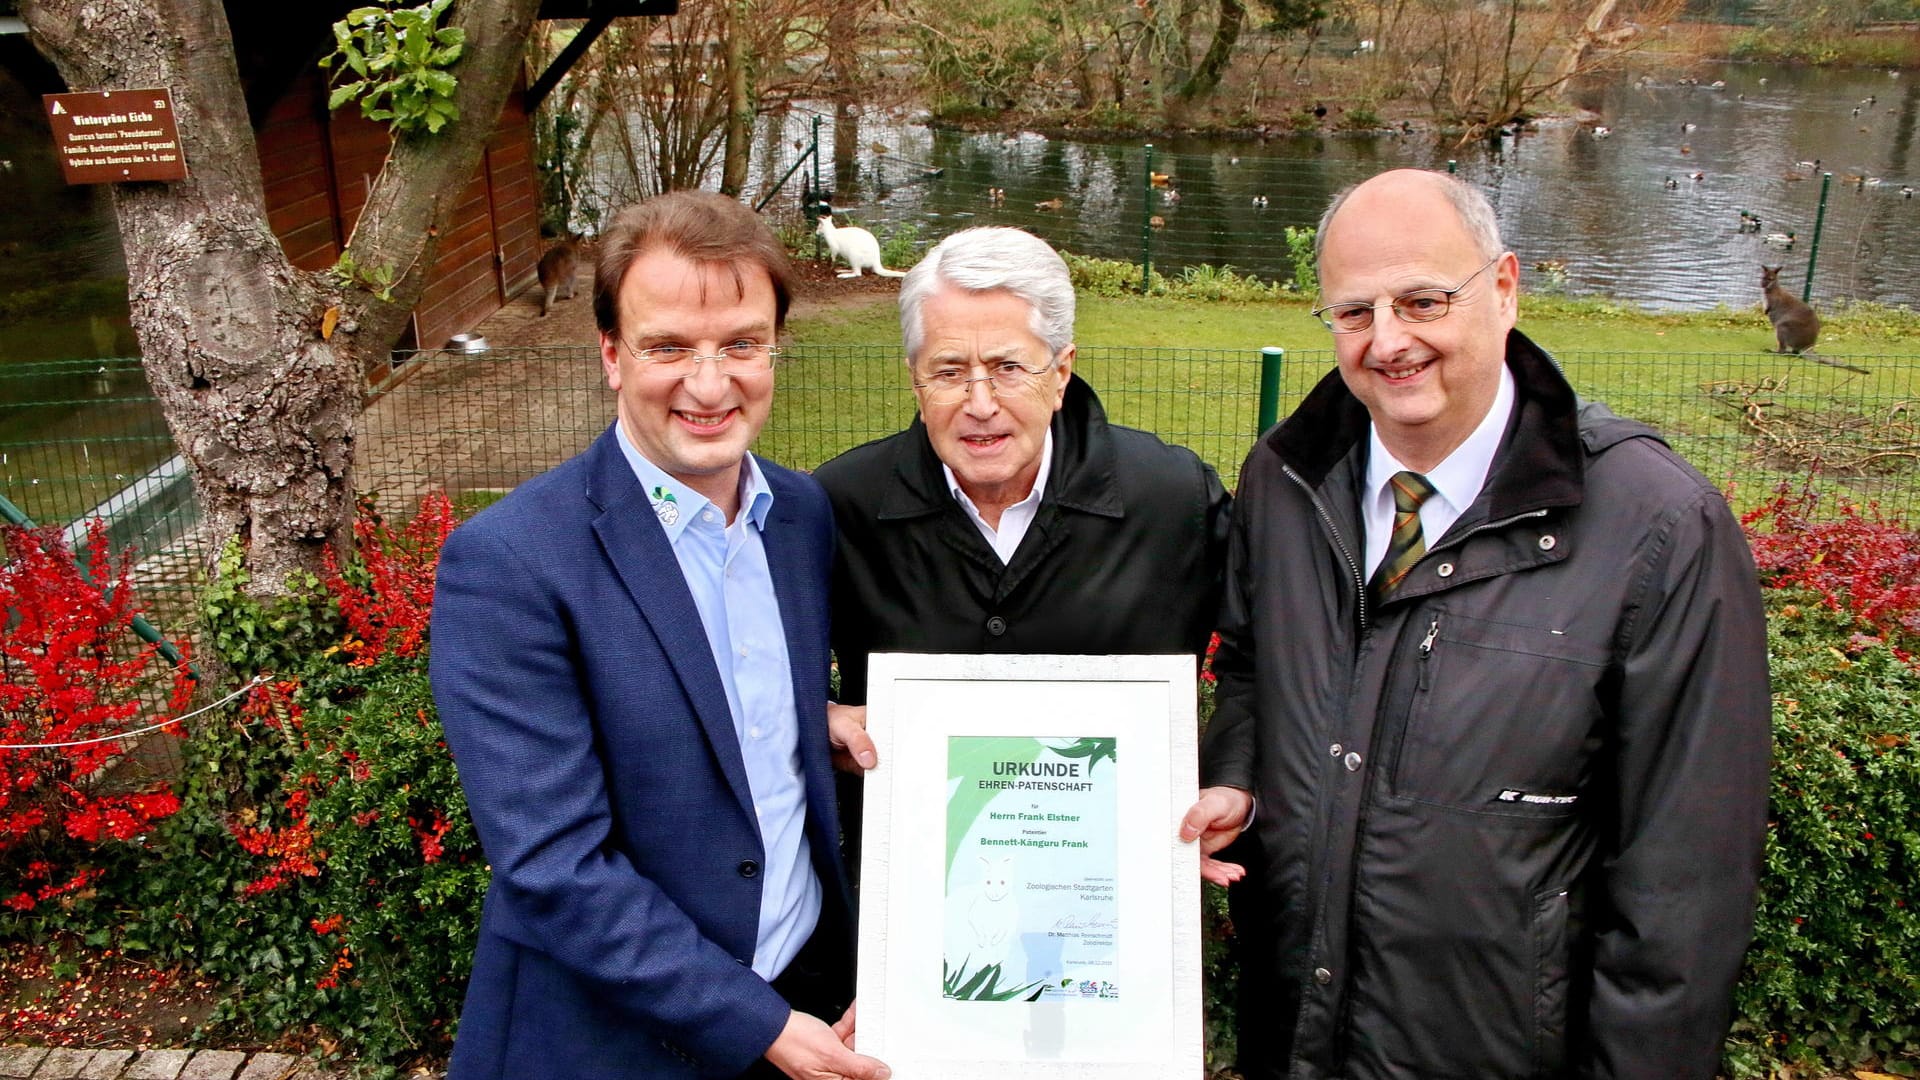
[(592, 734)]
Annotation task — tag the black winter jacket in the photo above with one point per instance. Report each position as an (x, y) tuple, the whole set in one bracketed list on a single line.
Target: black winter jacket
[(1508, 823), (1125, 555)]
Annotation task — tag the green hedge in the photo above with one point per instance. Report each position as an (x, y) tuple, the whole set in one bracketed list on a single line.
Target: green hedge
[(1833, 977)]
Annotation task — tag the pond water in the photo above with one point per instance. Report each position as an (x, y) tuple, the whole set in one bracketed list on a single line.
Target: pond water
[(1650, 213)]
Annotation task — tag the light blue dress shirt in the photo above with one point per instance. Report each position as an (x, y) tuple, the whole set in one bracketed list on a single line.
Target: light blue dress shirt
[(725, 567)]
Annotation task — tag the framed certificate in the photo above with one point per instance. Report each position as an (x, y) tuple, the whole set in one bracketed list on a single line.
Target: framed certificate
[(1027, 909)]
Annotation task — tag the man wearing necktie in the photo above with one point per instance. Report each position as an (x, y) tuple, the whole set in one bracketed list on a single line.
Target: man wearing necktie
[(1492, 701)]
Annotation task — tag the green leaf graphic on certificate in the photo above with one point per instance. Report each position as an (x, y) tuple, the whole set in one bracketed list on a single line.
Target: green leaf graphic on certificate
[(1032, 869), (975, 757)]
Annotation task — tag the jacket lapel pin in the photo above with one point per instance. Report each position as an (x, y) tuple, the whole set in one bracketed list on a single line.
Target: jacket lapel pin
[(665, 506)]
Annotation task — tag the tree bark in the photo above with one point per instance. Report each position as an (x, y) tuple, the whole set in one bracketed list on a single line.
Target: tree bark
[(1596, 21), (739, 146), (259, 400), (1226, 34), (843, 75)]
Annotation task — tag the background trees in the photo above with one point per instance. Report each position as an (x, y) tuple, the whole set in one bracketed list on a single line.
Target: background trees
[(1155, 63), (664, 104)]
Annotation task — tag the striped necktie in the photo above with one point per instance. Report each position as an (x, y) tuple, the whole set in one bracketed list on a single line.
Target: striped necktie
[(1405, 545)]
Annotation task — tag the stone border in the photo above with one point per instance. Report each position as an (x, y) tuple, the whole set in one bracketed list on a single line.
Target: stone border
[(62, 1063)]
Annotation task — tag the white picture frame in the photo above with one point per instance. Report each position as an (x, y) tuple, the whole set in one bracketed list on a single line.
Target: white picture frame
[(1111, 734)]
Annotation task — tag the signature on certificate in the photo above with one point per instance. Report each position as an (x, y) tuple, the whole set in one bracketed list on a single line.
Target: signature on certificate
[(1087, 922)]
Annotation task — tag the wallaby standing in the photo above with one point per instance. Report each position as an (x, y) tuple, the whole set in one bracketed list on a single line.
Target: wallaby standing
[(1795, 326), (556, 273), (857, 246)]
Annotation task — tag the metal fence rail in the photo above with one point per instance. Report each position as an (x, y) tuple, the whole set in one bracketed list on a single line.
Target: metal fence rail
[(83, 439)]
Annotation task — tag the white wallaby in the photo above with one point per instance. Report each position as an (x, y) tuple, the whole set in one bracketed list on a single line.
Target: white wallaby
[(855, 245), (993, 913)]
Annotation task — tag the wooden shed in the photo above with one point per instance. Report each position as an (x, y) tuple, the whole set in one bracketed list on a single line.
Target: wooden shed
[(319, 165)]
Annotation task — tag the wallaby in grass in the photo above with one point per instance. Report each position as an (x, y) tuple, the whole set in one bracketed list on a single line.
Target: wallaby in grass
[(1795, 324), (556, 272), (855, 245)]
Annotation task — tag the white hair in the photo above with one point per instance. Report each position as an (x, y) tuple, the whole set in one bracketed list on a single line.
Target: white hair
[(991, 257)]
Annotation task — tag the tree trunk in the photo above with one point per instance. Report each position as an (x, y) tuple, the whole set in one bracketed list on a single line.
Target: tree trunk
[(261, 402), (1226, 33), (843, 69), (733, 169), (1596, 21)]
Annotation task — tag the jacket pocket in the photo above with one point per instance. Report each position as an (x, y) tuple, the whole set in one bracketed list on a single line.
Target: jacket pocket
[(1502, 718), (1551, 949)]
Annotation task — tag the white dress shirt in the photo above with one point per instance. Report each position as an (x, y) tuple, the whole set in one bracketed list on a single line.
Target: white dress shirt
[(1015, 519), (1456, 481)]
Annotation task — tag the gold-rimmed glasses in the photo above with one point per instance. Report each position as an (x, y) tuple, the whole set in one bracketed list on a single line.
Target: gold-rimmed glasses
[(1418, 306), (741, 360)]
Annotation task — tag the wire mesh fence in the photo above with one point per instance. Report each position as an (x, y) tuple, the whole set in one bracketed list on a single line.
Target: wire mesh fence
[(80, 443)]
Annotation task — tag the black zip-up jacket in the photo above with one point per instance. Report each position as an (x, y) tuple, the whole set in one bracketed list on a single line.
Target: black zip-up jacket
[(1508, 823), (1126, 554)]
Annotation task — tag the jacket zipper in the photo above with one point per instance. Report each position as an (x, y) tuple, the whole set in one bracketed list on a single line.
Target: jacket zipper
[(1485, 525), (1420, 684), (1353, 564), (1426, 652), (1324, 879)]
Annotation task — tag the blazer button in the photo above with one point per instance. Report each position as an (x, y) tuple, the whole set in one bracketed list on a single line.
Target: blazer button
[(749, 868), (996, 626)]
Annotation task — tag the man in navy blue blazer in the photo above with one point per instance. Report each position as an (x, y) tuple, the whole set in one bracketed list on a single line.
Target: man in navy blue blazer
[(630, 660)]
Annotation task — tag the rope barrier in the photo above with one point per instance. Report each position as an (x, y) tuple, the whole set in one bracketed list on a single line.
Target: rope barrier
[(257, 680)]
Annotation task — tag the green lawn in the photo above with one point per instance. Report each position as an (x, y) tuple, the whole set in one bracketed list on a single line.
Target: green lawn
[(1189, 370)]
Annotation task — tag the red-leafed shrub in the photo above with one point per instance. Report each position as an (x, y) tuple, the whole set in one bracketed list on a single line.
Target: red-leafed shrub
[(1832, 980), (325, 869), (1861, 563), (387, 597), (70, 675)]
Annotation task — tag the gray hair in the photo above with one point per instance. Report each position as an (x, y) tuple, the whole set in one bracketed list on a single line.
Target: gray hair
[(1476, 213), (991, 257)]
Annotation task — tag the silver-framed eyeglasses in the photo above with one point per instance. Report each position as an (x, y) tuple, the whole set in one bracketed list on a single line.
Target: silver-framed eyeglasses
[(950, 384), (741, 360), (1418, 306)]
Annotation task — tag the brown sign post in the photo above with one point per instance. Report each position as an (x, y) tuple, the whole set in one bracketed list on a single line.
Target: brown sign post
[(109, 136)]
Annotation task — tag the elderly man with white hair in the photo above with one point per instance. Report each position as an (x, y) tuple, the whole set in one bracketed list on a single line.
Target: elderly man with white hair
[(1010, 516)]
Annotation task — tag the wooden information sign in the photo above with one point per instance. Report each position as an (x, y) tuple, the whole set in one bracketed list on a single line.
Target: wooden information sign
[(108, 136)]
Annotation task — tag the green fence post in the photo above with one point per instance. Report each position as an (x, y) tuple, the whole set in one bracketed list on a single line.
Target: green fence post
[(1813, 249), (1271, 358), (819, 193), (13, 514), (816, 155), (1146, 226)]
